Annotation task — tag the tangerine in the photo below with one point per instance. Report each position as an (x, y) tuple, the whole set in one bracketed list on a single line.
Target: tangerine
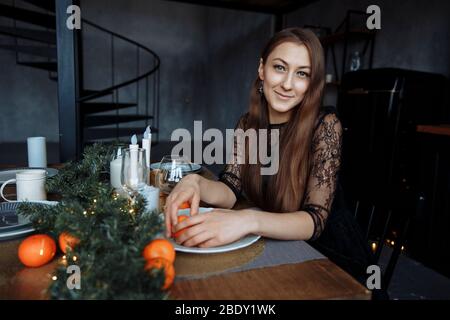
[(159, 248), (179, 232), (185, 205), (67, 240), (169, 270), (37, 250)]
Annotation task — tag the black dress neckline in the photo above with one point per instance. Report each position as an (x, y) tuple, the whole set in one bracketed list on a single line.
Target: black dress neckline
[(277, 125)]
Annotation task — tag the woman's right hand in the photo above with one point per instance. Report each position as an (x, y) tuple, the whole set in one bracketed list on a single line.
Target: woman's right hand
[(188, 189)]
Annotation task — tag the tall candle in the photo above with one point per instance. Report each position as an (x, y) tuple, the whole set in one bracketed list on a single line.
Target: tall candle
[(115, 171), (134, 149), (147, 145)]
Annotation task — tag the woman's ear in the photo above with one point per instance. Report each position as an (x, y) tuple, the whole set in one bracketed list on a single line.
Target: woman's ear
[(261, 70)]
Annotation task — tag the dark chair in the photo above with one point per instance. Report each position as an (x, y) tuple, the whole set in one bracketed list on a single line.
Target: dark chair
[(389, 221)]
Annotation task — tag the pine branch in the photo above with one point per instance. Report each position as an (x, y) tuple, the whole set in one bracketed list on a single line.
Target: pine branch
[(112, 232)]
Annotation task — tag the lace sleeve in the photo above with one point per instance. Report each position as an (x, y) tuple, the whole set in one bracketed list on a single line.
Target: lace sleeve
[(231, 174), (326, 160)]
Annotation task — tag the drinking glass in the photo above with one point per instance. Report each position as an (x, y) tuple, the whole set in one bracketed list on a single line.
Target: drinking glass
[(172, 169), (134, 170)]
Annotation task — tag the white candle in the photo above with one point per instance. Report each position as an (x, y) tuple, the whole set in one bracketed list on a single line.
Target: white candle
[(37, 152), (115, 168), (134, 149), (147, 145), (151, 194)]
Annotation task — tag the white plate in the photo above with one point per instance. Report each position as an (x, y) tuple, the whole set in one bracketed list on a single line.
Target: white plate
[(242, 243), (194, 167), (23, 227), (11, 173)]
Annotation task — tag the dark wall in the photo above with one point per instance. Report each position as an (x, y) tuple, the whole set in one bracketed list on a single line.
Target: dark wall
[(208, 59), (235, 40), (414, 34)]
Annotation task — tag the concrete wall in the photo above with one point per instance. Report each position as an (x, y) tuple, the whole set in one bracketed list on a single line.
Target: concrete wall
[(28, 100), (235, 40), (208, 60), (176, 32)]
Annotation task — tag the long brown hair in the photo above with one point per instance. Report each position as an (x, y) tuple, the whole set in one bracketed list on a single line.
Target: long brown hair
[(285, 190)]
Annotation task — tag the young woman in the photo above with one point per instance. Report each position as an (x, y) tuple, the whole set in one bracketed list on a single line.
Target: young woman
[(302, 201)]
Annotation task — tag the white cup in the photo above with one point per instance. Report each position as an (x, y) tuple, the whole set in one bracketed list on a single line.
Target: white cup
[(37, 152), (30, 185)]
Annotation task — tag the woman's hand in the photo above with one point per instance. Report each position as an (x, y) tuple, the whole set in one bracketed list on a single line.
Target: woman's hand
[(215, 228), (188, 189)]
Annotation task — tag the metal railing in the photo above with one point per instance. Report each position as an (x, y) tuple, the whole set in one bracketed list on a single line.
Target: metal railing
[(145, 76)]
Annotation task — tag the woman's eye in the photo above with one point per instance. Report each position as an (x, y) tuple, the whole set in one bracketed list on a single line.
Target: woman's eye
[(279, 67), (302, 74)]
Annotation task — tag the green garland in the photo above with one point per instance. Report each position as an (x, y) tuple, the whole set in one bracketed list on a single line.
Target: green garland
[(112, 232)]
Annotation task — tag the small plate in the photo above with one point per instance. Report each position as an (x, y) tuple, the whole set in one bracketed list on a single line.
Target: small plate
[(242, 243), (13, 225), (185, 168), (11, 173)]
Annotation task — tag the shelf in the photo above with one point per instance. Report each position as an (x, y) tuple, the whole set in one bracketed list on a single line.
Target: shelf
[(443, 129)]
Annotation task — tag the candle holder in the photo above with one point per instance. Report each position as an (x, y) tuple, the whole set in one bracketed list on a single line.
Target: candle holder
[(134, 171)]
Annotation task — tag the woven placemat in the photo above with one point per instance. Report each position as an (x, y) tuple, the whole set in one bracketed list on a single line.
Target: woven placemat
[(192, 264)]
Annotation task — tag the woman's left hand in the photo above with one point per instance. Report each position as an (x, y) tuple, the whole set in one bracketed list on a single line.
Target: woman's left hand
[(215, 228)]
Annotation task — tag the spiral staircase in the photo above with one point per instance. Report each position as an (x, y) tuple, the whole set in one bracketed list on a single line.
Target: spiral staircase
[(116, 110)]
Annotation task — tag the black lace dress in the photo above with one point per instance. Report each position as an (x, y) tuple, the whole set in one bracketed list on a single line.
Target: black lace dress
[(336, 233)]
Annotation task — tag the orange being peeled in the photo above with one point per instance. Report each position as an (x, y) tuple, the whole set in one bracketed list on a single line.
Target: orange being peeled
[(37, 250), (185, 205), (169, 270), (67, 240), (159, 248), (180, 218)]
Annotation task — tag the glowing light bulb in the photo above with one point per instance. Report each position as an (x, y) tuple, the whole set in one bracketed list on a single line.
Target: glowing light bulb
[(54, 278)]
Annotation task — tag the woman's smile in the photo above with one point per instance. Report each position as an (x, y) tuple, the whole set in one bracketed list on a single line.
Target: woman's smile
[(285, 77), (283, 96)]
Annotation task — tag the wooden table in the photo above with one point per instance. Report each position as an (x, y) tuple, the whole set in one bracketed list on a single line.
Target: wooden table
[(311, 280), (314, 279)]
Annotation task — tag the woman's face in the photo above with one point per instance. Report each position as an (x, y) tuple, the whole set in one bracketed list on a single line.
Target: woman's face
[(286, 75)]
